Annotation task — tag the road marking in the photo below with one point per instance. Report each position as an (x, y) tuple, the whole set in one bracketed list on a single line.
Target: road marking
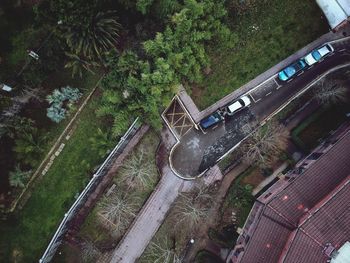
[(342, 50), (251, 95), (268, 94)]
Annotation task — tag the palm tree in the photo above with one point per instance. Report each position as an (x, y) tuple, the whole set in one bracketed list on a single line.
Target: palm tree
[(29, 146), (18, 177), (101, 143), (96, 38), (78, 65), (330, 92)]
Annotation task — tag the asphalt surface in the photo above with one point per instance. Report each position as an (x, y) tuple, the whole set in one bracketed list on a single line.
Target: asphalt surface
[(197, 152)]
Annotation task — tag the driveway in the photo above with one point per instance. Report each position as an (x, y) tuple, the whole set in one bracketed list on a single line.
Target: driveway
[(197, 152)]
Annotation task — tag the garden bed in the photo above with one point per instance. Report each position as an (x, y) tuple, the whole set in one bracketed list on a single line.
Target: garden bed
[(95, 230), (308, 134)]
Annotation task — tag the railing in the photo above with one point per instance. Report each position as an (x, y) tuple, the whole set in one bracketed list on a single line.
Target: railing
[(96, 179)]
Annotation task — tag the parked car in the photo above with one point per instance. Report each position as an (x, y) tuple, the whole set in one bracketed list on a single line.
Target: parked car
[(237, 105), (292, 70), (317, 55), (211, 120)]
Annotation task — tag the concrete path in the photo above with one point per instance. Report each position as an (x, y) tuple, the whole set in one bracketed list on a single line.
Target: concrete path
[(149, 220), (154, 211)]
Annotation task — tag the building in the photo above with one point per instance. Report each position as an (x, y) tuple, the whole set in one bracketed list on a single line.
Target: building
[(303, 218), (337, 12)]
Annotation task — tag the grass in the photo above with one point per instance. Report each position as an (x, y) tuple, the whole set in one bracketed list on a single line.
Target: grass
[(25, 236), (283, 27), (38, 112)]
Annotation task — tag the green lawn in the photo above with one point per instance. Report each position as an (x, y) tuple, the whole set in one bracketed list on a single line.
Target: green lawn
[(26, 235), (283, 27)]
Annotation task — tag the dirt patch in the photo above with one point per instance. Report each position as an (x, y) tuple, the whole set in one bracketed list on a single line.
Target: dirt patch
[(196, 92), (254, 178)]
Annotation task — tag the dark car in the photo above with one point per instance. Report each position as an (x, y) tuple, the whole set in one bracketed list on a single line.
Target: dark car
[(292, 70), (211, 120)]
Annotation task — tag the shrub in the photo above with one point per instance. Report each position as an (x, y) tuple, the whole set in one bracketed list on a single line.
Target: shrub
[(56, 112)]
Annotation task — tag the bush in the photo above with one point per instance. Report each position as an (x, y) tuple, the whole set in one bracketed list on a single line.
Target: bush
[(56, 112), (205, 256)]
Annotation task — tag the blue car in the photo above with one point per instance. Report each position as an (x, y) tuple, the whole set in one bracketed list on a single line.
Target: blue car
[(211, 120), (292, 70)]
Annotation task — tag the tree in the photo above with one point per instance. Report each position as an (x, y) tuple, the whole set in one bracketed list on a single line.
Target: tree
[(16, 126), (18, 177), (29, 146), (162, 251), (182, 44), (116, 212), (93, 39), (330, 92), (191, 208), (264, 144), (132, 88), (90, 253), (78, 65), (101, 143), (138, 171)]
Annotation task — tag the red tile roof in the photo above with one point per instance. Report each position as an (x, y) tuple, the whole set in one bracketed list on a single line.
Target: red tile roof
[(301, 216)]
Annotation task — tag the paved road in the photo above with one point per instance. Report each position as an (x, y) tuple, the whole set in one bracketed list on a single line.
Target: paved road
[(197, 151)]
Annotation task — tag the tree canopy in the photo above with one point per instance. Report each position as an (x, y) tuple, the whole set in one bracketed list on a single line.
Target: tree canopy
[(142, 84)]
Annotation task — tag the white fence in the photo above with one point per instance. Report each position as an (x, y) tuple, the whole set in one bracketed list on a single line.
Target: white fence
[(96, 179)]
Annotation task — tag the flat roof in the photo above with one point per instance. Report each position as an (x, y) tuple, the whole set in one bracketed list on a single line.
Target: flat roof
[(336, 11)]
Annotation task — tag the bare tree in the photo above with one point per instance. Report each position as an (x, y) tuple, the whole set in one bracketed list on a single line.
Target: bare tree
[(264, 144), (116, 212), (138, 171), (329, 92), (191, 208), (90, 252), (162, 251)]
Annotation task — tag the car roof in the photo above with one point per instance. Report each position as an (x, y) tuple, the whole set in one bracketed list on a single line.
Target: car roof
[(290, 71), (282, 75), (323, 51), (210, 120), (246, 100), (235, 106)]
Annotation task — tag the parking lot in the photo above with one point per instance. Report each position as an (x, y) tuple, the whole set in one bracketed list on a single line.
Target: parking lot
[(265, 89), (197, 151)]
